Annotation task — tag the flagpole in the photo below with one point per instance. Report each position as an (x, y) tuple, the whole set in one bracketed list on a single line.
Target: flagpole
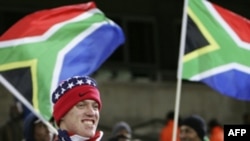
[(179, 71), (20, 97)]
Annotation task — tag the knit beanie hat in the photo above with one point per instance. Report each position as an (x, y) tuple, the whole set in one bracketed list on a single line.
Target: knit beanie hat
[(121, 126), (72, 91), (196, 123)]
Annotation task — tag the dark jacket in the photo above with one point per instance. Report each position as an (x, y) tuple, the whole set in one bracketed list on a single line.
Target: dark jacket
[(29, 127)]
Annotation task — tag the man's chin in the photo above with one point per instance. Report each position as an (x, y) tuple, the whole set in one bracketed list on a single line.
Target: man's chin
[(89, 134)]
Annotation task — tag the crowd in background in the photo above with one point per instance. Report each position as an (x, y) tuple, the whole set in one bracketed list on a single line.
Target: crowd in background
[(76, 113), (28, 127)]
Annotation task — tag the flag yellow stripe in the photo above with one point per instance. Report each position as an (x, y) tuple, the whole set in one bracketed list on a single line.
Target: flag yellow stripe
[(213, 45), (32, 64)]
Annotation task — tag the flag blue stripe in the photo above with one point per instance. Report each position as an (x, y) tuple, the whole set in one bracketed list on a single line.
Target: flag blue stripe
[(91, 52), (232, 83)]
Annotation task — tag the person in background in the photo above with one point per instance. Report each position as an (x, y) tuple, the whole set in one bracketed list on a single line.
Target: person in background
[(193, 128), (121, 131), (216, 131), (76, 110), (36, 130), (13, 128), (246, 118), (167, 131)]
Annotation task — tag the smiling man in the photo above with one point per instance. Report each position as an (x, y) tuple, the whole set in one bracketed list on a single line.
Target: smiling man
[(77, 105), (193, 128)]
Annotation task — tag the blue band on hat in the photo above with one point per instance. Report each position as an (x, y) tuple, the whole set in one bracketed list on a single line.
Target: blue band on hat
[(71, 83)]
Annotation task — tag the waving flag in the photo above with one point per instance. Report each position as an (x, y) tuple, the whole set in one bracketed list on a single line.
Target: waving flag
[(48, 46), (217, 50)]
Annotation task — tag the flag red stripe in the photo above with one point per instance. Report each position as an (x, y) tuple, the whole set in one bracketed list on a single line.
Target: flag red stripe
[(45, 19), (238, 23)]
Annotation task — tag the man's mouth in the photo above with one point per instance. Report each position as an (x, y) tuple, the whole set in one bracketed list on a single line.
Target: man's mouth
[(88, 122)]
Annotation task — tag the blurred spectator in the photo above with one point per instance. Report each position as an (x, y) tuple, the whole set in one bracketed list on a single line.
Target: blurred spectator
[(246, 118), (12, 129), (193, 128), (121, 132), (216, 131), (167, 131), (36, 130)]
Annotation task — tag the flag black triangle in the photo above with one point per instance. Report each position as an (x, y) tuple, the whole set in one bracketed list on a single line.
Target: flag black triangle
[(21, 79), (194, 38)]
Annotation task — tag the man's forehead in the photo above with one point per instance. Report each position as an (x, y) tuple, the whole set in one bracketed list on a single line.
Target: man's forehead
[(186, 128), (87, 101)]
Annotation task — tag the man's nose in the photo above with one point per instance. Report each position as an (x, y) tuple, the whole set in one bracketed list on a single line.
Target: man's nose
[(90, 110)]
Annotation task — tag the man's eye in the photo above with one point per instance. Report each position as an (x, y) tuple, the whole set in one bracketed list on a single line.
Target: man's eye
[(80, 105), (96, 106)]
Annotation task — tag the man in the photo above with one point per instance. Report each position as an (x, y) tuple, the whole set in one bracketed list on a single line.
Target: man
[(166, 133), (13, 128), (216, 131), (193, 128), (36, 130), (77, 106), (121, 132), (246, 118)]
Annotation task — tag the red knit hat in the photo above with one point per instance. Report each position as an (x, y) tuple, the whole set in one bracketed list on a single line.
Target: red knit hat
[(72, 91)]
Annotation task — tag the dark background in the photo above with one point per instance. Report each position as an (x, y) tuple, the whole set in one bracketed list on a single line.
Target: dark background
[(152, 29)]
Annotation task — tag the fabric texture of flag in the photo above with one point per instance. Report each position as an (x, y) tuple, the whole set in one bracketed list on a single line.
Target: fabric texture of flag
[(217, 49), (49, 46)]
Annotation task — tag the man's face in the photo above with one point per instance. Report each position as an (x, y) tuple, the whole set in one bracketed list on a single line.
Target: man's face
[(82, 119), (123, 135), (41, 132), (188, 134)]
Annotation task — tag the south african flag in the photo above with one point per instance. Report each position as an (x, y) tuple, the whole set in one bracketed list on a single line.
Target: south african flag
[(49, 46), (217, 50)]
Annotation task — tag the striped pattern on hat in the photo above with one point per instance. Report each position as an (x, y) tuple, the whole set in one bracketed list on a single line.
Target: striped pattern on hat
[(71, 83)]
